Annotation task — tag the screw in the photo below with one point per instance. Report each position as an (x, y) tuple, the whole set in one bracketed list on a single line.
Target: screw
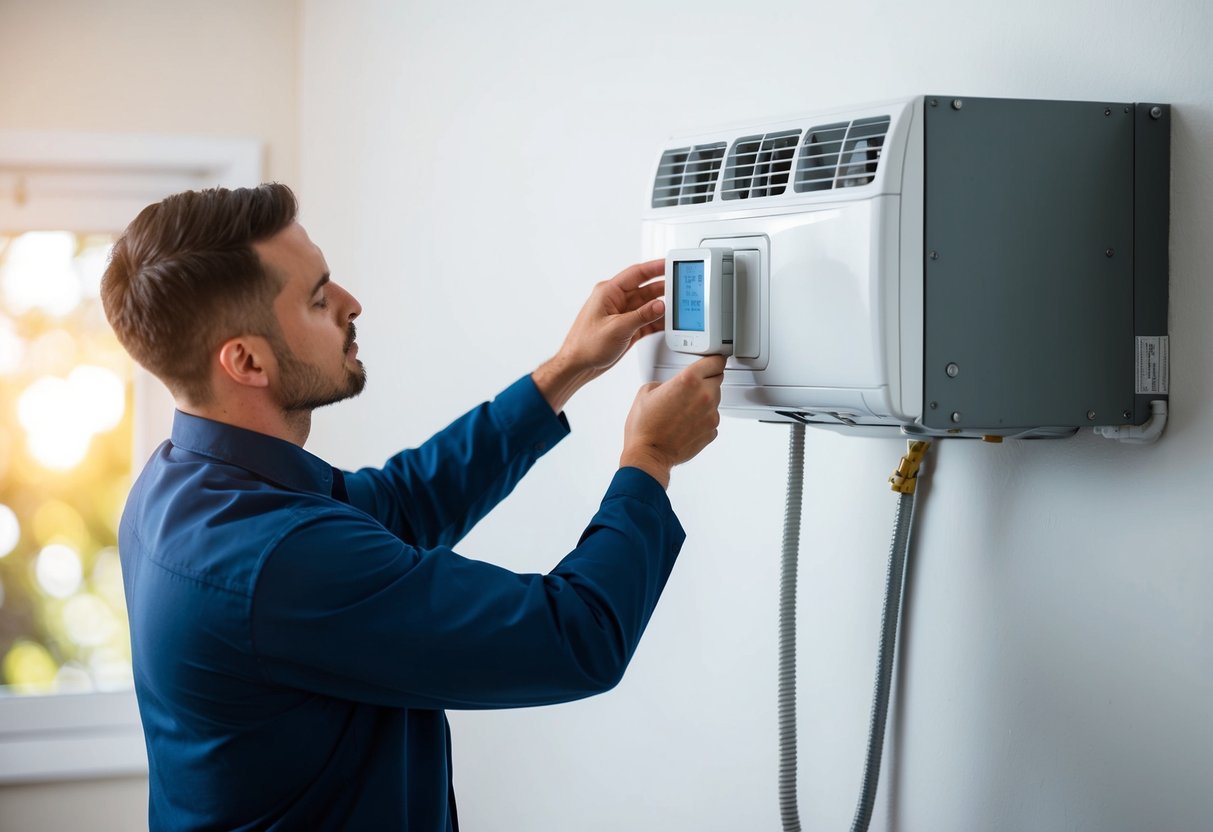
[(1128, 414), (1156, 112), (953, 370), (957, 103), (956, 416), (934, 255), (1107, 111), (933, 405), (1109, 252), (1126, 110), (1090, 415), (934, 102)]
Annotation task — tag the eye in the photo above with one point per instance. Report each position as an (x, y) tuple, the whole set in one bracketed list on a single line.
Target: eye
[(322, 303)]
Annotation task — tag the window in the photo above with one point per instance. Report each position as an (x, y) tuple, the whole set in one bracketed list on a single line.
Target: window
[(65, 461), (76, 418)]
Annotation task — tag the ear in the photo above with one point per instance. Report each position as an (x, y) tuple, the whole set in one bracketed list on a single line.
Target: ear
[(244, 360)]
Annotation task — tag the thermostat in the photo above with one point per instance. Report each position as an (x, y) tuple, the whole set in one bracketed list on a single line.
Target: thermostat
[(699, 301)]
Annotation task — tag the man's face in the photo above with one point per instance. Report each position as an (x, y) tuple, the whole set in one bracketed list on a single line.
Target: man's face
[(315, 349)]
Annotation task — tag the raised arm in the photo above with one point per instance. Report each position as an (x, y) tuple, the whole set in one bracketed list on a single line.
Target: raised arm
[(433, 495)]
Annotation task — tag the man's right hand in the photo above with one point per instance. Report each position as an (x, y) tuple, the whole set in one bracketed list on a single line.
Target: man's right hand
[(672, 422)]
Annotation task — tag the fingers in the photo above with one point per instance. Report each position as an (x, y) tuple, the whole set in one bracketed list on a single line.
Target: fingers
[(710, 366), (644, 294), (649, 313), (633, 276)]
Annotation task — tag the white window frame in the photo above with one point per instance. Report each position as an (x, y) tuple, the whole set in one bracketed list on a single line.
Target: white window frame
[(98, 182)]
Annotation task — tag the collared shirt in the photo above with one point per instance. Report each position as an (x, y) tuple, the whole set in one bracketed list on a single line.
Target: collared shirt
[(294, 652)]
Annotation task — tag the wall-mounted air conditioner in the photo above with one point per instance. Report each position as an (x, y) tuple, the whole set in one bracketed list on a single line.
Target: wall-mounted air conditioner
[(943, 265)]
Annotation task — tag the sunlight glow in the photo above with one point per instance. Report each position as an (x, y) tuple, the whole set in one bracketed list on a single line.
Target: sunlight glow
[(61, 416), (38, 273)]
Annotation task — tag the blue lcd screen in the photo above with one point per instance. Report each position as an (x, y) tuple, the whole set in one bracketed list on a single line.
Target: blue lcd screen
[(688, 295)]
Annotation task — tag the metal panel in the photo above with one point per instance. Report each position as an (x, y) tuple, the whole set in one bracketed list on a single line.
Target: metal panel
[(1152, 216), (1028, 263)]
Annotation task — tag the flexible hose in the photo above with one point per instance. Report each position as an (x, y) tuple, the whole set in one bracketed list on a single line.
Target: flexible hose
[(788, 811), (889, 618)]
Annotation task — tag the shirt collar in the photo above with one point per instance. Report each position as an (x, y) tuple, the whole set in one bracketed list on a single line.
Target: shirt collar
[(267, 456)]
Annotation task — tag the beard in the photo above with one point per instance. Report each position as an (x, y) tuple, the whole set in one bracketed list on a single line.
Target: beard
[(303, 387)]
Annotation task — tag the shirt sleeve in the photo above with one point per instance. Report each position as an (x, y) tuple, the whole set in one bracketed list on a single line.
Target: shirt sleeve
[(346, 609), (434, 494)]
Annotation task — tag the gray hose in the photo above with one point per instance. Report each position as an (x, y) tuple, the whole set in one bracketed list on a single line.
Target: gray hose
[(889, 618), (788, 812)]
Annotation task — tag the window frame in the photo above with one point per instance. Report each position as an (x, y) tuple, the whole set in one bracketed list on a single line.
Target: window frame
[(76, 736)]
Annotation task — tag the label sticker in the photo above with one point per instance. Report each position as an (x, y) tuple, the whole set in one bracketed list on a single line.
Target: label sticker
[(1153, 364)]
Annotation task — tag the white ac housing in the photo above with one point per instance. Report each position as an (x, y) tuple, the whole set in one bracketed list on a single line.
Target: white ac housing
[(939, 264)]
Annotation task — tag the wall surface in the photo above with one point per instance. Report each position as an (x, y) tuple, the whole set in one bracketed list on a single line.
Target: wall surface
[(471, 169), (222, 68)]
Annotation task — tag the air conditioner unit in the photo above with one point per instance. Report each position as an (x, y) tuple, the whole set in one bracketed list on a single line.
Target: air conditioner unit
[(940, 265)]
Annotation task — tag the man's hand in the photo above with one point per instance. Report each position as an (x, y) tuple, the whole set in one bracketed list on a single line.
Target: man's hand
[(672, 422), (619, 312)]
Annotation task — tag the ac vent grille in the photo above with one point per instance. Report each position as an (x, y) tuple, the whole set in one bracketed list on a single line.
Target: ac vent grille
[(760, 165), (687, 175), (840, 155)]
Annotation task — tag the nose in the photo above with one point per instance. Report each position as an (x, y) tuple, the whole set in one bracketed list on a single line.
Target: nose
[(349, 303)]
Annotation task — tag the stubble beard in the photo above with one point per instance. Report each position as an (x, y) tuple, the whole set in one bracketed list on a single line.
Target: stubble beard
[(303, 388)]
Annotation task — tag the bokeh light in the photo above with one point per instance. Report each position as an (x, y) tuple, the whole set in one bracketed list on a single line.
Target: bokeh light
[(58, 570), (110, 669), (89, 620), (91, 263), (101, 394), (56, 522), (10, 530), (66, 431), (61, 416), (106, 577), (29, 667), (38, 273)]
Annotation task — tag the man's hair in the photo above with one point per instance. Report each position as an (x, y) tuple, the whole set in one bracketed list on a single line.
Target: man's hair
[(184, 278)]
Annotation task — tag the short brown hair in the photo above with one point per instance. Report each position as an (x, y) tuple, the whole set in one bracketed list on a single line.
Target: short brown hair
[(184, 277)]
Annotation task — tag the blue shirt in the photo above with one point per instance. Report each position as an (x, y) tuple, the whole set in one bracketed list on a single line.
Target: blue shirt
[(294, 652)]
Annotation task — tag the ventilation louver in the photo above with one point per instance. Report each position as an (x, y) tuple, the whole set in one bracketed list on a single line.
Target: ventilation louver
[(840, 155), (687, 175), (760, 165)]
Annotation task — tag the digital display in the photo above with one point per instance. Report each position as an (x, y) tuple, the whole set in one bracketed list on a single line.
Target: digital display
[(688, 295)]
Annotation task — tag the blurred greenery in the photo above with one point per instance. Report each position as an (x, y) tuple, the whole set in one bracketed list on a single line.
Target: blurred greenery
[(66, 430)]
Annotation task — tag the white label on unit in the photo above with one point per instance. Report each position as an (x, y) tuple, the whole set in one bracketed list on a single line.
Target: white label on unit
[(1153, 364)]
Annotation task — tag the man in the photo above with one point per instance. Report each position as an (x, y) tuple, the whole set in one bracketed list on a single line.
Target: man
[(298, 630)]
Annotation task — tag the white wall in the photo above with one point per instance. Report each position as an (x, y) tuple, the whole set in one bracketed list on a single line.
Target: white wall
[(222, 68), (472, 168)]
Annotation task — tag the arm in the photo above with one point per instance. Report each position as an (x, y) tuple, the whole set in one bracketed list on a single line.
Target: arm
[(391, 624), (433, 495)]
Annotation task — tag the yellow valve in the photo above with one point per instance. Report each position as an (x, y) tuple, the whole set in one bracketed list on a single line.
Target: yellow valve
[(905, 478)]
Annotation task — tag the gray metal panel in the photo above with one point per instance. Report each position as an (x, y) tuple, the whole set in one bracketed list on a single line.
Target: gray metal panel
[(1028, 263), (1151, 229)]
